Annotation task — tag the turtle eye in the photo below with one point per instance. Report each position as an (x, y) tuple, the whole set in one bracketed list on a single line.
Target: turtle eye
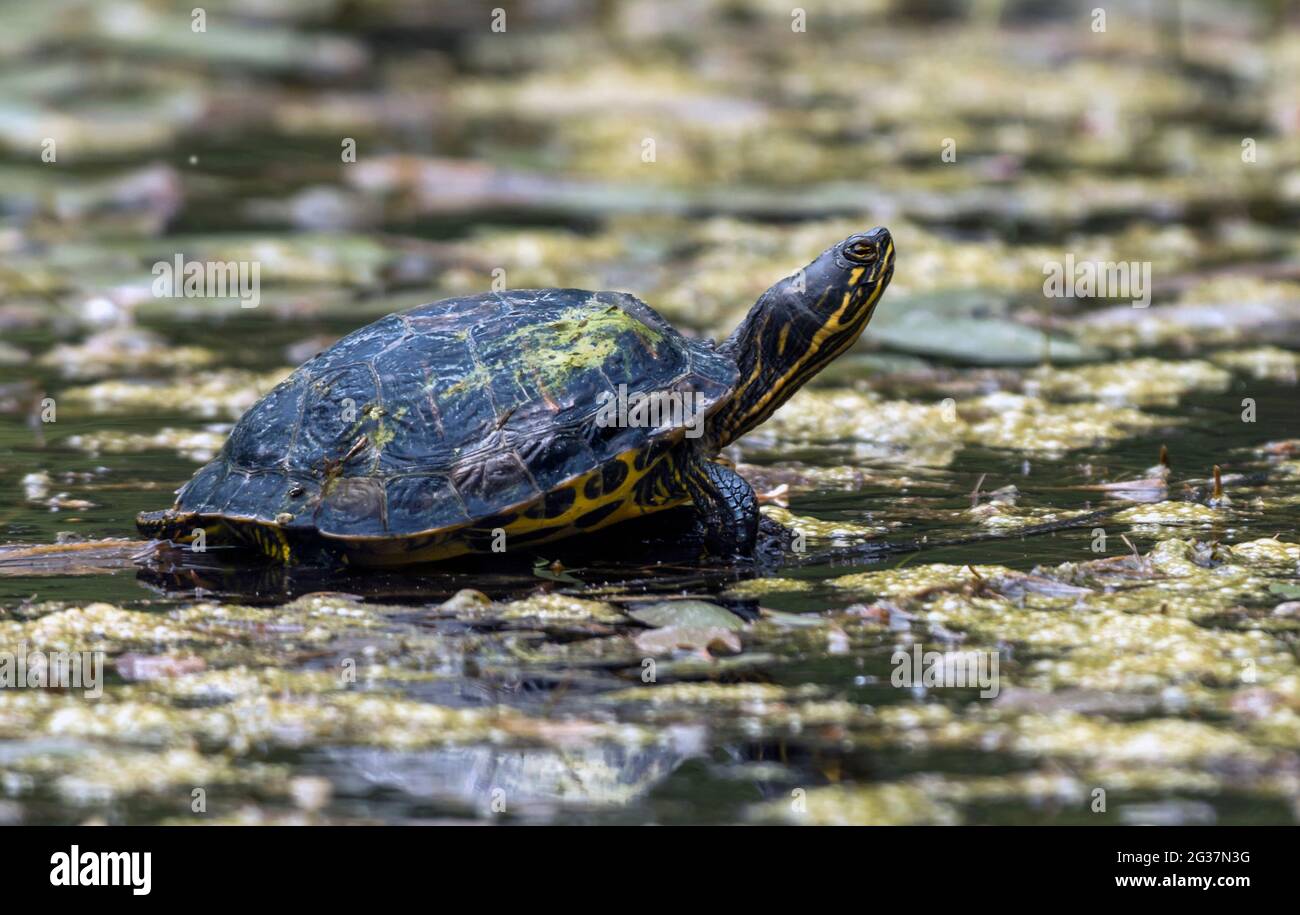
[(862, 252), (297, 492)]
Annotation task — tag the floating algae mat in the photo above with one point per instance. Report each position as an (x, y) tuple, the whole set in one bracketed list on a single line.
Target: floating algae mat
[(920, 659)]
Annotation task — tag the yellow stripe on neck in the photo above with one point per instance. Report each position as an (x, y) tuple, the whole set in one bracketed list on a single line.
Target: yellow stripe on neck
[(831, 326)]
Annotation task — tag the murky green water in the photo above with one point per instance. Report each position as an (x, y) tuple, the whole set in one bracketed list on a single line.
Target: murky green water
[(1146, 660)]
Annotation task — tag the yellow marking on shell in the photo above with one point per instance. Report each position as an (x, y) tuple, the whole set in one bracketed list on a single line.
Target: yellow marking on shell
[(285, 550), (268, 539), (625, 494), (209, 530), (449, 544)]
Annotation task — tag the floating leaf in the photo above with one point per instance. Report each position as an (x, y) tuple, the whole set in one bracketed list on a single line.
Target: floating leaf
[(978, 340), (544, 568), (793, 620), (693, 614)]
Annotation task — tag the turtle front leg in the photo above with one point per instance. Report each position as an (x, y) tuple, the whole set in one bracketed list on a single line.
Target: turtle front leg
[(727, 508)]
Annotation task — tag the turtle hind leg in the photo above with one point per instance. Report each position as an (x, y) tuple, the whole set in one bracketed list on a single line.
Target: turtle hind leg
[(182, 529), (727, 508), (167, 524)]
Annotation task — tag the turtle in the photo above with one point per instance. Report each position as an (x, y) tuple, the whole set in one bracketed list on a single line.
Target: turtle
[(513, 418)]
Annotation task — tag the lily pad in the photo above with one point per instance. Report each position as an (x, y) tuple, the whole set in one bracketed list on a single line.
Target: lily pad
[(976, 340)]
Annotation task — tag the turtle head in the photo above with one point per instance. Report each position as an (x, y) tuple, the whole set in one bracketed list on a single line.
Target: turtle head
[(844, 284), (799, 325)]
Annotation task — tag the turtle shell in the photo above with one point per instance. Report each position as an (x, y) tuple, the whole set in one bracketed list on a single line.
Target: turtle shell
[(451, 413)]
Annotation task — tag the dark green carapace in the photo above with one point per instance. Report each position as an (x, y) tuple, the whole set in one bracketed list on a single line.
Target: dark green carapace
[(484, 422)]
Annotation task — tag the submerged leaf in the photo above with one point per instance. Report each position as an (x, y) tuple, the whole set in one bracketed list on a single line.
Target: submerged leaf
[(692, 638)]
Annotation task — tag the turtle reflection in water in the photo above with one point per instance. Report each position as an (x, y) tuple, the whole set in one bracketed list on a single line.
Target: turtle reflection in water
[(478, 422)]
